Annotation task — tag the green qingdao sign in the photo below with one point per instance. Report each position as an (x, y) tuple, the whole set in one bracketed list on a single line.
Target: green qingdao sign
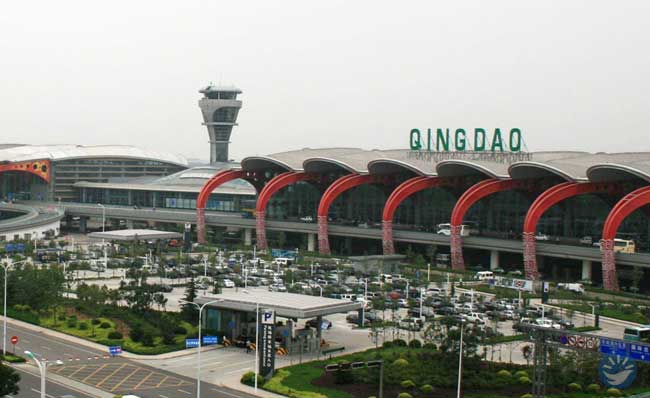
[(460, 140)]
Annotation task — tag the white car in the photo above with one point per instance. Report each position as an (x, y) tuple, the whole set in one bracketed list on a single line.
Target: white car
[(410, 324), (547, 323), (228, 283), (475, 317), (542, 237)]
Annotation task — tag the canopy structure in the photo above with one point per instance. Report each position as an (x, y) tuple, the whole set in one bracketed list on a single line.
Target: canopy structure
[(131, 235)]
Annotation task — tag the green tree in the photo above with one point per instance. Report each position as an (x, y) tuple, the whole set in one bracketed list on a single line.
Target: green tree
[(189, 311), (9, 379)]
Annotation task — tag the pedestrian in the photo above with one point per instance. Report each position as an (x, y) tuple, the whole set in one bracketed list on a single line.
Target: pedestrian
[(248, 346)]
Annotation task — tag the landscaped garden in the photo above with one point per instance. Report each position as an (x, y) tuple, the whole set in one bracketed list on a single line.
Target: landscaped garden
[(423, 372)]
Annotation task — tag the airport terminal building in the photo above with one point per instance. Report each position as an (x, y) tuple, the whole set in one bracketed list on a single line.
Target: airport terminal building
[(566, 214)]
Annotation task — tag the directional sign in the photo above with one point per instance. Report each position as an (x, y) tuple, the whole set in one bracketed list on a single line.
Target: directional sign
[(191, 343), (613, 347), (115, 350), (640, 352), (14, 340), (207, 340)]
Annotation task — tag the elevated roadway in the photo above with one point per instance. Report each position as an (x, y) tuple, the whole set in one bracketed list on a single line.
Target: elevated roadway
[(225, 219)]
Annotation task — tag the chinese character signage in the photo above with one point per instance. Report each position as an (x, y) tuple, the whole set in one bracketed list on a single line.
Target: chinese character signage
[(267, 343)]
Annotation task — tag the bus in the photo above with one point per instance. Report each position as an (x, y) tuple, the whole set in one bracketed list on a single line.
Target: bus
[(622, 246), (637, 333)]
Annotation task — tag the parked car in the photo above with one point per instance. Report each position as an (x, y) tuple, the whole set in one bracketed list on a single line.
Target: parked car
[(228, 283), (547, 323), (414, 324), (313, 323)]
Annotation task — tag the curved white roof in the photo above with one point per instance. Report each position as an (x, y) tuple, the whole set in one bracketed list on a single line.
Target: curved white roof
[(24, 153)]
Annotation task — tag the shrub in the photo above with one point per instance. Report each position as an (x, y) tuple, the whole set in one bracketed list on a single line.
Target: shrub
[(399, 343), (574, 387), (136, 333), (180, 330), (429, 346), (343, 377), (415, 344), (614, 392), (401, 363), (105, 325), (427, 389), (115, 335), (526, 396), (249, 379), (83, 326), (387, 344), (404, 395), (72, 322), (147, 339), (593, 388), (524, 380), (504, 373), (407, 384), (521, 373), (61, 317), (96, 321)]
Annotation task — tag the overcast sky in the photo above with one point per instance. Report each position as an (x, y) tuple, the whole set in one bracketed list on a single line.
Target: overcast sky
[(569, 74)]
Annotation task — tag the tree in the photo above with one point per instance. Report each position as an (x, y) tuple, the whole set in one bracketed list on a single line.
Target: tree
[(160, 300), (9, 379), (189, 311)]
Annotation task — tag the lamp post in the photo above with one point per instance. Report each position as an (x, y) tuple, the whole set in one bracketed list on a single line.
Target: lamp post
[(198, 372), (5, 266), (460, 358), (365, 298), (103, 230), (42, 368), (257, 340)]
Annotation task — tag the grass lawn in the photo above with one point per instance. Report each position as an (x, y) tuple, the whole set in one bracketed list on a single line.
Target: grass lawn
[(608, 311)]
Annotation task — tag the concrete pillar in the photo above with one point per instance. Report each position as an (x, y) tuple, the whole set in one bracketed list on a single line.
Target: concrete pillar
[(129, 224), (83, 224), (248, 237), (311, 242), (586, 269), (494, 259)]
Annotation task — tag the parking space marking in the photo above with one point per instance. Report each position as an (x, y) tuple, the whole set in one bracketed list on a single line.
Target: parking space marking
[(126, 378), (162, 381), (143, 380)]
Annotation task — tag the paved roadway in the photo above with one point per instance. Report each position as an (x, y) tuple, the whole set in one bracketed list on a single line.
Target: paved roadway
[(113, 375)]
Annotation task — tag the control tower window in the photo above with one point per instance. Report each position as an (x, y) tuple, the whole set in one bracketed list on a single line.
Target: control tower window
[(225, 115)]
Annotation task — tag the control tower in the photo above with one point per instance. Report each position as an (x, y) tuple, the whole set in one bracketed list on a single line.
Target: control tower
[(220, 108)]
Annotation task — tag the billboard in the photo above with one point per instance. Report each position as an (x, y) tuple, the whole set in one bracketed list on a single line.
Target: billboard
[(267, 343)]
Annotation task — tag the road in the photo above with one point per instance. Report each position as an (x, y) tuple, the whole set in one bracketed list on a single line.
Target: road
[(112, 375), (30, 387)]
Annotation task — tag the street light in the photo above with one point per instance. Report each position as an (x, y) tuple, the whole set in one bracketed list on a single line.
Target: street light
[(42, 368), (6, 265), (103, 230), (257, 339), (460, 358), (198, 373), (365, 298)]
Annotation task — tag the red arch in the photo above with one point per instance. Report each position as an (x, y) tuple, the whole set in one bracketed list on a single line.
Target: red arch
[(621, 210), (275, 184), (545, 201), (475, 193), (213, 183), (40, 168), (403, 191), (331, 193)]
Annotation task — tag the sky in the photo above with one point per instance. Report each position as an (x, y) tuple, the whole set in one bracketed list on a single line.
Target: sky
[(572, 75)]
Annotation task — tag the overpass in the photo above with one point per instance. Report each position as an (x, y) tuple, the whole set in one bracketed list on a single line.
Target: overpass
[(226, 219), (34, 221)]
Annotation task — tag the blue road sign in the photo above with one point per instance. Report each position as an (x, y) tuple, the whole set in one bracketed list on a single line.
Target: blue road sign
[(613, 347), (207, 340), (20, 247), (115, 350), (640, 352), (617, 371), (191, 343), (9, 247)]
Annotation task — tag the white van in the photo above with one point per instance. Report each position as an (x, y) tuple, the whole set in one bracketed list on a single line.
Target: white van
[(465, 230), (283, 261), (484, 275)]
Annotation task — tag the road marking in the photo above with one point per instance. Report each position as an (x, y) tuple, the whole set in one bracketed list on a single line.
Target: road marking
[(227, 393), (39, 391), (142, 381), (162, 381), (93, 373), (136, 369), (46, 348), (112, 374), (75, 347), (163, 396), (184, 392), (75, 372)]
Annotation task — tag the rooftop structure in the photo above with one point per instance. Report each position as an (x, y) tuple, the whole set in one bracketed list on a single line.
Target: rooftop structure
[(130, 235)]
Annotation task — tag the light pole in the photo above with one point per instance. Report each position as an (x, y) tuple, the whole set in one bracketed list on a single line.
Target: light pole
[(6, 265), (42, 368), (321, 290), (460, 358), (257, 340), (365, 299), (104, 230), (198, 372)]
